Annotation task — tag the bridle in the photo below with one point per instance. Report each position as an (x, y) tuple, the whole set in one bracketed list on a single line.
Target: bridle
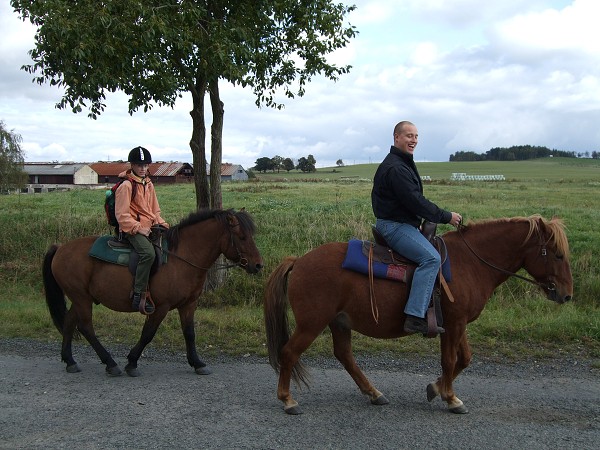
[(242, 261), (550, 286)]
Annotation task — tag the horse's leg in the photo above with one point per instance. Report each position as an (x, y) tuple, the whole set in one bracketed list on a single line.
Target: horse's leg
[(86, 328), (290, 354), (67, 333), (456, 356), (186, 317), (342, 349), (148, 331)]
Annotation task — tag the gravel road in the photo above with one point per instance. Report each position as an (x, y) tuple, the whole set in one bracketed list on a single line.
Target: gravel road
[(529, 405)]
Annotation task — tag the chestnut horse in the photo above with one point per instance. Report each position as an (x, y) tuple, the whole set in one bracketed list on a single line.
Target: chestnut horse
[(194, 245), (483, 255)]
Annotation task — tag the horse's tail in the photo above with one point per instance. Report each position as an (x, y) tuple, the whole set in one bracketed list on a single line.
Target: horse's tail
[(55, 297), (276, 319)]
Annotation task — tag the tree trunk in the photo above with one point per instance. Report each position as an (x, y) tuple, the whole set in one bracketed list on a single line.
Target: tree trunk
[(205, 197), (216, 145), (216, 277), (198, 144)]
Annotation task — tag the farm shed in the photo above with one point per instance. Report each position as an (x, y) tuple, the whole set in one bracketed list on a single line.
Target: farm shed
[(43, 177), (232, 172)]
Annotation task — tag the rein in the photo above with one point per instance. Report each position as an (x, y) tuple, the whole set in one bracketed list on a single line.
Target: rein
[(217, 266), (548, 286)]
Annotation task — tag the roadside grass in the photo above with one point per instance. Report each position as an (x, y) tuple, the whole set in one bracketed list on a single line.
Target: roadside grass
[(297, 215)]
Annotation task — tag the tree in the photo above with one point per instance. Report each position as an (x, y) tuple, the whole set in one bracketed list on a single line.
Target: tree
[(302, 164), (312, 163), (307, 164), (277, 163), (288, 164), (156, 51), (339, 163), (12, 175), (263, 164)]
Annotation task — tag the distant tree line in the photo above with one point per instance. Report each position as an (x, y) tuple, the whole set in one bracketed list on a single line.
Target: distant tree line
[(516, 153), (278, 163)]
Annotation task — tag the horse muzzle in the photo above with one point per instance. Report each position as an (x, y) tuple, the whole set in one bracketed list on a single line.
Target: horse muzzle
[(557, 297), (250, 268)]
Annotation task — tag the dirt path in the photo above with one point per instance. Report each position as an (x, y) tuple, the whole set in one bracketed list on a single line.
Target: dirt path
[(529, 405)]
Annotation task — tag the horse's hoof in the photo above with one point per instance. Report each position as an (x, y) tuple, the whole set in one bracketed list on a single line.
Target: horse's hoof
[(462, 409), (381, 400), (113, 371), (132, 371), (203, 370), (431, 392), (293, 410), (73, 368)]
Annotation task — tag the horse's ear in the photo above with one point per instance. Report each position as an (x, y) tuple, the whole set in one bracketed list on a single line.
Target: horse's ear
[(232, 220)]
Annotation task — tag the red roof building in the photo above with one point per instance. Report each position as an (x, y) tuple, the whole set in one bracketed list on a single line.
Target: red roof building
[(160, 172)]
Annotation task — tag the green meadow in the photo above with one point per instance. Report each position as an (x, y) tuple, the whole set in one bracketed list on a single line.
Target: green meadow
[(296, 212)]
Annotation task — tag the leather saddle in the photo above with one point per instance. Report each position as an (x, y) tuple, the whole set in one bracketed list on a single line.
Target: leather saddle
[(382, 252), (123, 245)]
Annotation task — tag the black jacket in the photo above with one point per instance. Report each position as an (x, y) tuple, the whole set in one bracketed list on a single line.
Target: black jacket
[(398, 192)]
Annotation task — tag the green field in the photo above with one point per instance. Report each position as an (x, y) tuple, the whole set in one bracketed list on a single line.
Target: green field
[(543, 169), (296, 212)]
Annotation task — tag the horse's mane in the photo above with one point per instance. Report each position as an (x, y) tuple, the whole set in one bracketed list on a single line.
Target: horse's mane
[(244, 219), (555, 226)]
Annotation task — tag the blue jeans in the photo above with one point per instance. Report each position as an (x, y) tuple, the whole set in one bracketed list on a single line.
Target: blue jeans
[(409, 242)]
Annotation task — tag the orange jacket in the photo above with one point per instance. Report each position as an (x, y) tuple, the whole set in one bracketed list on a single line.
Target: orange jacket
[(143, 210)]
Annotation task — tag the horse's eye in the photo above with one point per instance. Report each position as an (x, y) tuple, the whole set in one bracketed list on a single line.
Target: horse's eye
[(559, 256)]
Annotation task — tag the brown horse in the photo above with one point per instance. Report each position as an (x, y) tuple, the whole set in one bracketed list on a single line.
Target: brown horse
[(483, 255), (194, 245)]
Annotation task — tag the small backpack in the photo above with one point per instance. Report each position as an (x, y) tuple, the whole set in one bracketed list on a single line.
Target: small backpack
[(109, 204)]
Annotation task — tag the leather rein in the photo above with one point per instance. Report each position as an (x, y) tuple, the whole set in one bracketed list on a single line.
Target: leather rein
[(548, 286)]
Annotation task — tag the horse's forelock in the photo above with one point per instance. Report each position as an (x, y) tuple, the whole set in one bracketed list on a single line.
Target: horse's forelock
[(246, 222), (555, 232), (558, 237), (243, 218)]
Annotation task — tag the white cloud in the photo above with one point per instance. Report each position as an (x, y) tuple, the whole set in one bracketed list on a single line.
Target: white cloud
[(574, 28)]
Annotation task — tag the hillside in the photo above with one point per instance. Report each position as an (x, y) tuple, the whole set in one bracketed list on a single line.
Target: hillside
[(574, 169)]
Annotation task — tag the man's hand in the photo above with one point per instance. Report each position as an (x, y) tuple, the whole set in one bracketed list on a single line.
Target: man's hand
[(456, 219)]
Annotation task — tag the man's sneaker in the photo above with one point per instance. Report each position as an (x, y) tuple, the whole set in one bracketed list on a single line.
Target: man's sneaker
[(414, 324), (137, 298)]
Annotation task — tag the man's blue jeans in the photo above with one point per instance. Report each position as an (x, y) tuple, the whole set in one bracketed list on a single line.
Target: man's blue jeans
[(409, 242)]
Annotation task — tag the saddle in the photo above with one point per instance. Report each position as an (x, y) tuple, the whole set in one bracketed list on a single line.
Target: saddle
[(124, 246), (115, 250), (380, 252)]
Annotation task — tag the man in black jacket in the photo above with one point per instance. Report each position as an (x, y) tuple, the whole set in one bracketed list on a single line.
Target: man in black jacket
[(399, 206)]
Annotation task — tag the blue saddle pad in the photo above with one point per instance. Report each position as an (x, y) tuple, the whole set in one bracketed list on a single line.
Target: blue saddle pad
[(357, 261)]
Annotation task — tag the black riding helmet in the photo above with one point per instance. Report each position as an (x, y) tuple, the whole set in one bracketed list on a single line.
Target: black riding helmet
[(139, 155)]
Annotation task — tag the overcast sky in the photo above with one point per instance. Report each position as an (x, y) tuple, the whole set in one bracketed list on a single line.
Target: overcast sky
[(470, 74)]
